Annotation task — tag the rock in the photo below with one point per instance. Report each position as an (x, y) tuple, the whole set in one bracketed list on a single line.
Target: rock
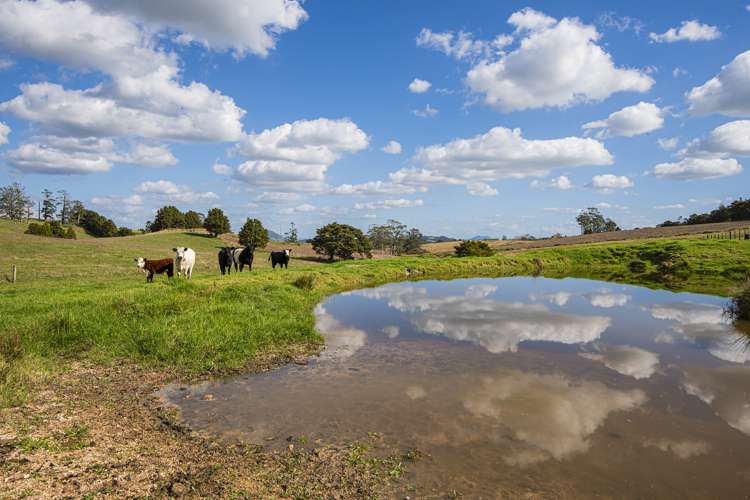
[(208, 397)]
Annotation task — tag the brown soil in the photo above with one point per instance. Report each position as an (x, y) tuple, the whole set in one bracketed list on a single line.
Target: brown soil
[(630, 234), (96, 431)]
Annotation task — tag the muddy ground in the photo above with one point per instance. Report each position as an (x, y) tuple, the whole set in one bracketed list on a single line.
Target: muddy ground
[(99, 432)]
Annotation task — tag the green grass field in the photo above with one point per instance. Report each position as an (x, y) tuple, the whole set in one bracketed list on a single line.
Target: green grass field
[(85, 299)]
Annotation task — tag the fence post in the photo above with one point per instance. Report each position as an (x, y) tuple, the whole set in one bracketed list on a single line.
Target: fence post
[(14, 273)]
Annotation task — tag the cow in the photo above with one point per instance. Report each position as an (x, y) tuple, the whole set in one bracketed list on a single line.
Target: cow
[(226, 259), (151, 267), (243, 257), (184, 261), (280, 258)]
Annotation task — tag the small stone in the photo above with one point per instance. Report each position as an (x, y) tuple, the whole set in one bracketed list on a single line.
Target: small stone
[(208, 397)]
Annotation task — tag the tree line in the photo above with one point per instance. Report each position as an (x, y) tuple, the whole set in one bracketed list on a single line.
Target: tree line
[(735, 211)]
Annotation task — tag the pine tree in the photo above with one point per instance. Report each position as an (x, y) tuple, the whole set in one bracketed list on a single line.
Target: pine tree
[(291, 235), (216, 222), (63, 200), (49, 205)]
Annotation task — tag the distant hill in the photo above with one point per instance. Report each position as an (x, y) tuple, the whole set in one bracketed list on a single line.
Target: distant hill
[(481, 237), (274, 236), (437, 239)]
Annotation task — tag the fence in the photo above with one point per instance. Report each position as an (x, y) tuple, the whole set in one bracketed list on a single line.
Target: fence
[(735, 234)]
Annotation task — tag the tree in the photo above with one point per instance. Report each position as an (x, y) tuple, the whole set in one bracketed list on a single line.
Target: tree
[(193, 219), (610, 225), (49, 205), (378, 235), (412, 241), (64, 202), (216, 222), (394, 237), (168, 217), (76, 211), (14, 201), (291, 235), (253, 234), (473, 248), (97, 225), (342, 241)]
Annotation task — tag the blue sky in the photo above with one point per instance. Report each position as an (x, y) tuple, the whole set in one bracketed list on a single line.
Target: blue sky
[(510, 116)]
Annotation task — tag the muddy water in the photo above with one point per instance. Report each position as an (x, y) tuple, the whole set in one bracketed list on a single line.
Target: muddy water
[(568, 388)]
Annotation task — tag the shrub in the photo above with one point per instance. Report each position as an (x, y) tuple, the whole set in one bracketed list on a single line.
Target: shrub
[(43, 229), (637, 266), (305, 282), (739, 307), (125, 231), (97, 225), (472, 248), (70, 234)]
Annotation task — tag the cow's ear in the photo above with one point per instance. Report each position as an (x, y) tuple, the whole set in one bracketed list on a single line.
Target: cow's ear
[(174, 249), (186, 249)]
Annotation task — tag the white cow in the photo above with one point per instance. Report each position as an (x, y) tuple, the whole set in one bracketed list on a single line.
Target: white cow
[(184, 261)]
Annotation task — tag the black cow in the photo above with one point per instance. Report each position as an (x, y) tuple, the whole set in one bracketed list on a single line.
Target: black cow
[(226, 259), (280, 258), (243, 257)]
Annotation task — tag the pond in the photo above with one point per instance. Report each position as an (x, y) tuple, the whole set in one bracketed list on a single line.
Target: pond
[(514, 385)]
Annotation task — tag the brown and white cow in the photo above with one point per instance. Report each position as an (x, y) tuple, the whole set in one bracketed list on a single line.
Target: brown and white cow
[(151, 267)]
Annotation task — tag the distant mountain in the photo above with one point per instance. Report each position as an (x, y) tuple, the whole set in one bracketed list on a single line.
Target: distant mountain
[(437, 239), (274, 236), (480, 237)]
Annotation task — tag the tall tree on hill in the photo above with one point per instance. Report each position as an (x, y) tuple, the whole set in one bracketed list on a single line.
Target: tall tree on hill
[(168, 217), (253, 234), (49, 205), (193, 219), (291, 235), (216, 222), (592, 221), (76, 211), (342, 241), (64, 202), (14, 202)]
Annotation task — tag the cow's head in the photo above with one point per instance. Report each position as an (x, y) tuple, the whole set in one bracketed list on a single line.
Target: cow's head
[(140, 262), (287, 251), (180, 252)]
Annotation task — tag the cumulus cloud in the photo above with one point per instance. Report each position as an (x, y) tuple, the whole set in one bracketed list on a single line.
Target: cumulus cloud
[(630, 121), (392, 148), (729, 139), (5, 63), (548, 416), (426, 112), (725, 390), (4, 133), (480, 189), (608, 182), (150, 155), (562, 183), (691, 31), (461, 45), (698, 168), (341, 341), (668, 143), (557, 64), (295, 156), (625, 360), (418, 86), (240, 25), (388, 204), (300, 209), (61, 158), (505, 153), (608, 299), (168, 190), (377, 187), (221, 169), (673, 206), (727, 93)]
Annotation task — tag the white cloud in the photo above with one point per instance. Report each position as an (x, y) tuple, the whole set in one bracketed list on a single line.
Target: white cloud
[(427, 112), (608, 299), (668, 143), (5, 63), (388, 204), (678, 72), (557, 64), (4, 133), (143, 97), (691, 31), (562, 183), (295, 156), (611, 181), (170, 191), (630, 121), (505, 153), (698, 168), (727, 93), (725, 389), (480, 189), (47, 159), (277, 197), (221, 169), (392, 148), (729, 139), (418, 86), (626, 360), (303, 208), (674, 206), (621, 23), (153, 156), (376, 187), (461, 45), (341, 341), (240, 25)]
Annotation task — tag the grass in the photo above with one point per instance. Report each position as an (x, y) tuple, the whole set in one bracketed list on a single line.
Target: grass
[(85, 300)]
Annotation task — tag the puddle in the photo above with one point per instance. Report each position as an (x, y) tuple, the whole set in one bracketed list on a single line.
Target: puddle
[(560, 387)]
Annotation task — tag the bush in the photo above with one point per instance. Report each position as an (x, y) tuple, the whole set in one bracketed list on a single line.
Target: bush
[(305, 282), (97, 225), (637, 266), (125, 231), (472, 248), (70, 234), (43, 229), (739, 307), (342, 241)]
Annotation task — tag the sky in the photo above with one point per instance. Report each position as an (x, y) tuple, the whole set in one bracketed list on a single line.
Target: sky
[(460, 118)]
